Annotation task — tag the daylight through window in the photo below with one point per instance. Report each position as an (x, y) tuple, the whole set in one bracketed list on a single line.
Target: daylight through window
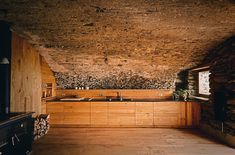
[(204, 85)]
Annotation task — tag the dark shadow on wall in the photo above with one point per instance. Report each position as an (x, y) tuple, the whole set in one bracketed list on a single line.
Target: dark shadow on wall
[(219, 50), (218, 111), (182, 80), (220, 104)]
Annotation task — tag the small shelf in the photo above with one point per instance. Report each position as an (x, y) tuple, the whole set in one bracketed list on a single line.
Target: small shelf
[(200, 98), (46, 90), (48, 98)]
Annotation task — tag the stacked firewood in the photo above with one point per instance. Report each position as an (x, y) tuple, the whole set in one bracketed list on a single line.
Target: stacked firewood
[(41, 126)]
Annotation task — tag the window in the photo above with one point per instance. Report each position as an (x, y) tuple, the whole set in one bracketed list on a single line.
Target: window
[(203, 82)]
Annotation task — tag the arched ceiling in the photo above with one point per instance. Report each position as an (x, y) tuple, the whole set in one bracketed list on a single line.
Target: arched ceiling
[(151, 38)]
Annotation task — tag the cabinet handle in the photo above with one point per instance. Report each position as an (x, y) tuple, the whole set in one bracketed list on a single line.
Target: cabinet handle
[(17, 138), (12, 141)]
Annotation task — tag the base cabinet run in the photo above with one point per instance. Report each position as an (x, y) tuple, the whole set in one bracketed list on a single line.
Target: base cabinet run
[(125, 114)]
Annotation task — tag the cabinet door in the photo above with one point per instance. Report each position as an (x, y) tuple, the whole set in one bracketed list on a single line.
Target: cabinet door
[(99, 113), (144, 113), (56, 112), (77, 113), (121, 114), (169, 114), (196, 114), (192, 114)]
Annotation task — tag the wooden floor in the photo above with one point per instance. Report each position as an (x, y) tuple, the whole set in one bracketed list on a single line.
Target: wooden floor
[(128, 141)]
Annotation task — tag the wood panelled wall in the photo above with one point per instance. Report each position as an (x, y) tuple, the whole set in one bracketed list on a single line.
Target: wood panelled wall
[(164, 94), (47, 77), (25, 77), (222, 79)]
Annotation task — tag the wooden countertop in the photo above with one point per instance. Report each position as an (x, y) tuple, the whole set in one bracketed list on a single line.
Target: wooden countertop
[(114, 100)]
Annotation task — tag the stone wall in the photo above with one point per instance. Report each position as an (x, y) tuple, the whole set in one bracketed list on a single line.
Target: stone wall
[(152, 39), (222, 80)]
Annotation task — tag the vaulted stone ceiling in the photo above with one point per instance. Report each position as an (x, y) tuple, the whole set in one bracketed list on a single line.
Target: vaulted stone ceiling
[(115, 40)]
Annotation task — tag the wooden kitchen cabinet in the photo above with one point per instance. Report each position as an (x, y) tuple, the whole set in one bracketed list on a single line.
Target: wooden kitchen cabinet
[(125, 114), (169, 114), (56, 111), (144, 113), (77, 113), (99, 113), (121, 114)]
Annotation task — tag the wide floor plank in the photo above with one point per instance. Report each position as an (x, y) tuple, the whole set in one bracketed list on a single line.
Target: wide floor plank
[(128, 141)]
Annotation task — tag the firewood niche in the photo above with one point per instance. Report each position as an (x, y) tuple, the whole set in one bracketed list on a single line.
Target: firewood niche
[(41, 126)]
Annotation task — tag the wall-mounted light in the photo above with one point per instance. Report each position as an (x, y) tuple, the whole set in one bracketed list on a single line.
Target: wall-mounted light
[(4, 61)]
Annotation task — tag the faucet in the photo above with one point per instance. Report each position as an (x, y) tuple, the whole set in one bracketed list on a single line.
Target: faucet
[(119, 96), (62, 92)]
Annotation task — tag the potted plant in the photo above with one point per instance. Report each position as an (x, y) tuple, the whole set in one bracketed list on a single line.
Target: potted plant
[(180, 94)]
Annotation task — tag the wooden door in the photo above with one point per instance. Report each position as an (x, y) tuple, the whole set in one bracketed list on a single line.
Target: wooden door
[(193, 112), (169, 114), (77, 113), (121, 114), (99, 113), (56, 110), (144, 113)]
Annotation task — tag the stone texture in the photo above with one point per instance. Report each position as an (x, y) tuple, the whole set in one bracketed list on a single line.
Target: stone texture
[(103, 39), (115, 81)]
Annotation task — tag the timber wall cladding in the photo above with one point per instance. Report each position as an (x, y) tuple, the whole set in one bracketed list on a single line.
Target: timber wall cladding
[(124, 114), (47, 77), (25, 77), (222, 68), (223, 78)]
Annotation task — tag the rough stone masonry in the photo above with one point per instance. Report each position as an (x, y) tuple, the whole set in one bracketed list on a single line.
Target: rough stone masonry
[(121, 43)]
